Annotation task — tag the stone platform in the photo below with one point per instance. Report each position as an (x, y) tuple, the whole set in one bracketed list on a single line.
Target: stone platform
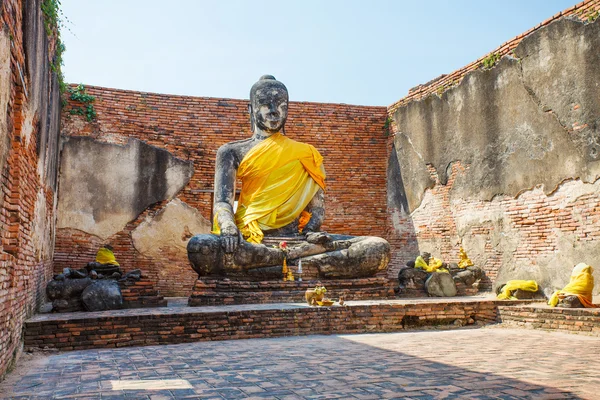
[(168, 325), (542, 316), (221, 292)]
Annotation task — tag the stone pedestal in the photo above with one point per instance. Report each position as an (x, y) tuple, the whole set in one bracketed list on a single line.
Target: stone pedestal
[(208, 291)]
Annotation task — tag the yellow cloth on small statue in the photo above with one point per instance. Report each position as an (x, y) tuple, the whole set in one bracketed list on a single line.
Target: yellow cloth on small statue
[(511, 286), (106, 256), (433, 266), (420, 263), (464, 261), (580, 285), (279, 178)]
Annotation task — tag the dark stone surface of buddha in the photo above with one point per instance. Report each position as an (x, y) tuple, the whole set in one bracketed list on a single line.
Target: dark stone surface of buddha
[(229, 254)]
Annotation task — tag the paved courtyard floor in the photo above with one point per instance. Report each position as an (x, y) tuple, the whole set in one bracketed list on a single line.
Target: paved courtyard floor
[(484, 363)]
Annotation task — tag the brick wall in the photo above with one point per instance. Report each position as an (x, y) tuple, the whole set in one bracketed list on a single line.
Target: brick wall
[(539, 233), (571, 320), (350, 138), (536, 223), (28, 143)]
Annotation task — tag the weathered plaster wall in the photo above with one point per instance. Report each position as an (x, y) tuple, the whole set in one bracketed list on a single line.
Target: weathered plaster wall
[(169, 229), (29, 118), (103, 186), (506, 162), (350, 138), (5, 77)]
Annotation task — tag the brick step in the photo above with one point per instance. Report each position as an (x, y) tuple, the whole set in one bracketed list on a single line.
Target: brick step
[(542, 316), (238, 285), (135, 327), (220, 292), (222, 298)]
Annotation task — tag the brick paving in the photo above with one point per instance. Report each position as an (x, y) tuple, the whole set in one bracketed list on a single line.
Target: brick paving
[(484, 363)]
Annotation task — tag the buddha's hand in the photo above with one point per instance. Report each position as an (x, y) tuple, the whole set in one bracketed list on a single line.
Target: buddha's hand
[(322, 238), (230, 238)]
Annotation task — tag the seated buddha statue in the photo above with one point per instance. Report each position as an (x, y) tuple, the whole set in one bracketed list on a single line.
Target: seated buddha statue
[(282, 195)]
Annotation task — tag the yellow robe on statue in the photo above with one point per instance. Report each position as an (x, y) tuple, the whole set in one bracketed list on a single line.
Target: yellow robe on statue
[(581, 285), (279, 178), (511, 286), (106, 256)]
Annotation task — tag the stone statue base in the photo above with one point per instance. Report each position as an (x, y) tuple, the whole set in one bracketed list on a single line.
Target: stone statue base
[(210, 291)]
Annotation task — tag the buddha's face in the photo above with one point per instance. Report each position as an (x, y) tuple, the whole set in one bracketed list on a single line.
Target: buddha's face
[(269, 107)]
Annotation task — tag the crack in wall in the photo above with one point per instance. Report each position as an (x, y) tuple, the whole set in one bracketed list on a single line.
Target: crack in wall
[(412, 145), (537, 101)]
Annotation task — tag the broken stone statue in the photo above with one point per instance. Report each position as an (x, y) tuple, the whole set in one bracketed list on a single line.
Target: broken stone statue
[(416, 281), (282, 196), (95, 288)]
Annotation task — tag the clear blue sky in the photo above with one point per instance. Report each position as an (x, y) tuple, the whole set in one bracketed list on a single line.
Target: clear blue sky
[(340, 51)]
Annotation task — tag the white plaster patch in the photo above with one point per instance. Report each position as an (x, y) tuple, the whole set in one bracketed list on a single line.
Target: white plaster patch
[(583, 44), (5, 75), (150, 384), (465, 221), (472, 84), (424, 215), (396, 221), (456, 101), (27, 127), (42, 223), (504, 79), (170, 229), (173, 174), (570, 191)]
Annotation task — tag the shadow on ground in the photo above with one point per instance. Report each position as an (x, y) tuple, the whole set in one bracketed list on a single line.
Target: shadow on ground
[(470, 364)]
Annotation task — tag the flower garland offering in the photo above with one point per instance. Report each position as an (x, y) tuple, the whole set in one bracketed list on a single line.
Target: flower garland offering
[(320, 289), (288, 275)]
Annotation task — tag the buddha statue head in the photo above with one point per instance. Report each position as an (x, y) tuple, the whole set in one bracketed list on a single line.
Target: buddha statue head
[(268, 105)]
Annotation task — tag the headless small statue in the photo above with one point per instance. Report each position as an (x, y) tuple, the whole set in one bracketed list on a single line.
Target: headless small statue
[(282, 195)]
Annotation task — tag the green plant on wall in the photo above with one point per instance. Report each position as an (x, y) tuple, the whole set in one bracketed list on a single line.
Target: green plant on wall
[(491, 60), (53, 24), (79, 94), (440, 90), (387, 126), (448, 85), (591, 17)]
